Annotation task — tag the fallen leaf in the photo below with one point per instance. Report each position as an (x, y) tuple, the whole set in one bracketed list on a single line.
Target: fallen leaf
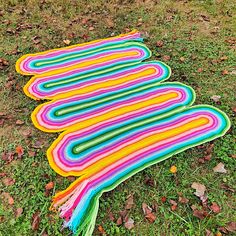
[(2, 121), (172, 202), (150, 217), (123, 214), (26, 133), (119, 221), (49, 186), (31, 153), (199, 70), (146, 209), (10, 201), (208, 233), (129, 224), (38, 144), (101, 230), (227, 187), (166, 58), (220, 168), (35, 221), (200, 189), (173, 169), (231, 226), (150, 182), (109, 22), (91, 28), (129, 202), (173, 207), (8, 157), (71, 178), (19, 212), (44, 234), (224, 72), (159, 43), (3, 63), (163, 199), (233, 72), (67, 41), (183, 200), (182, 59), (205, 17), (224, 58), (36, 39), (8, 181), (111, 216), (19, 122), (215, 207), (19, 151), (216, 98), (200, 214)]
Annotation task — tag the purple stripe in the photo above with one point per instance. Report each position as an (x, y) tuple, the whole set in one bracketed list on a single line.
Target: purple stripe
[(85, 159)]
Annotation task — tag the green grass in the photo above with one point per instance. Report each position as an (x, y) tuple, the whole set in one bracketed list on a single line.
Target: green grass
[(200, 31)]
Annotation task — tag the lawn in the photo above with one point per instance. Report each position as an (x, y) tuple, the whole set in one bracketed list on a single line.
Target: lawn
[(197, 40)]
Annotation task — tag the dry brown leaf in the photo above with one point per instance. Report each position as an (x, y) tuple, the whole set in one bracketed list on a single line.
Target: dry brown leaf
[(19, 151), (49, 186), (150, 217), (224, 72), (163, 199), (101, 230), (215, 207), (35, 221), (146, 209), (220, 168), (227, 187), (129, 202), (216, 98), (200, 189), (166, 58), (129, 224), (19, 122), (67, 41), (231, 227), (31, 153), (208, 233), (10, 201), (224, 58), (111, 216), (19, 212), (119, 221), (149, 181), (183, 200), (200, 214), (8, 181), (159, 43), (109, 22)]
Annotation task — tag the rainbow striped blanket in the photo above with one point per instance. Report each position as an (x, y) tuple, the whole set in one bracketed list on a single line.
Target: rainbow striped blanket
[(115, 115)]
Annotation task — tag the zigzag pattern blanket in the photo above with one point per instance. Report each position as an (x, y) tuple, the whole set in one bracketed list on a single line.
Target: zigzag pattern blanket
[(114, 115)]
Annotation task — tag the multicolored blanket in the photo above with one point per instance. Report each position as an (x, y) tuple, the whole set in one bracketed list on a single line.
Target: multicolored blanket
[(114, 115)]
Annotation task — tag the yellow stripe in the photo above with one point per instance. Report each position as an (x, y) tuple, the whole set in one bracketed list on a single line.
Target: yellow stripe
[(94, 87), (127, 150), (63, 48), (107, 116)]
